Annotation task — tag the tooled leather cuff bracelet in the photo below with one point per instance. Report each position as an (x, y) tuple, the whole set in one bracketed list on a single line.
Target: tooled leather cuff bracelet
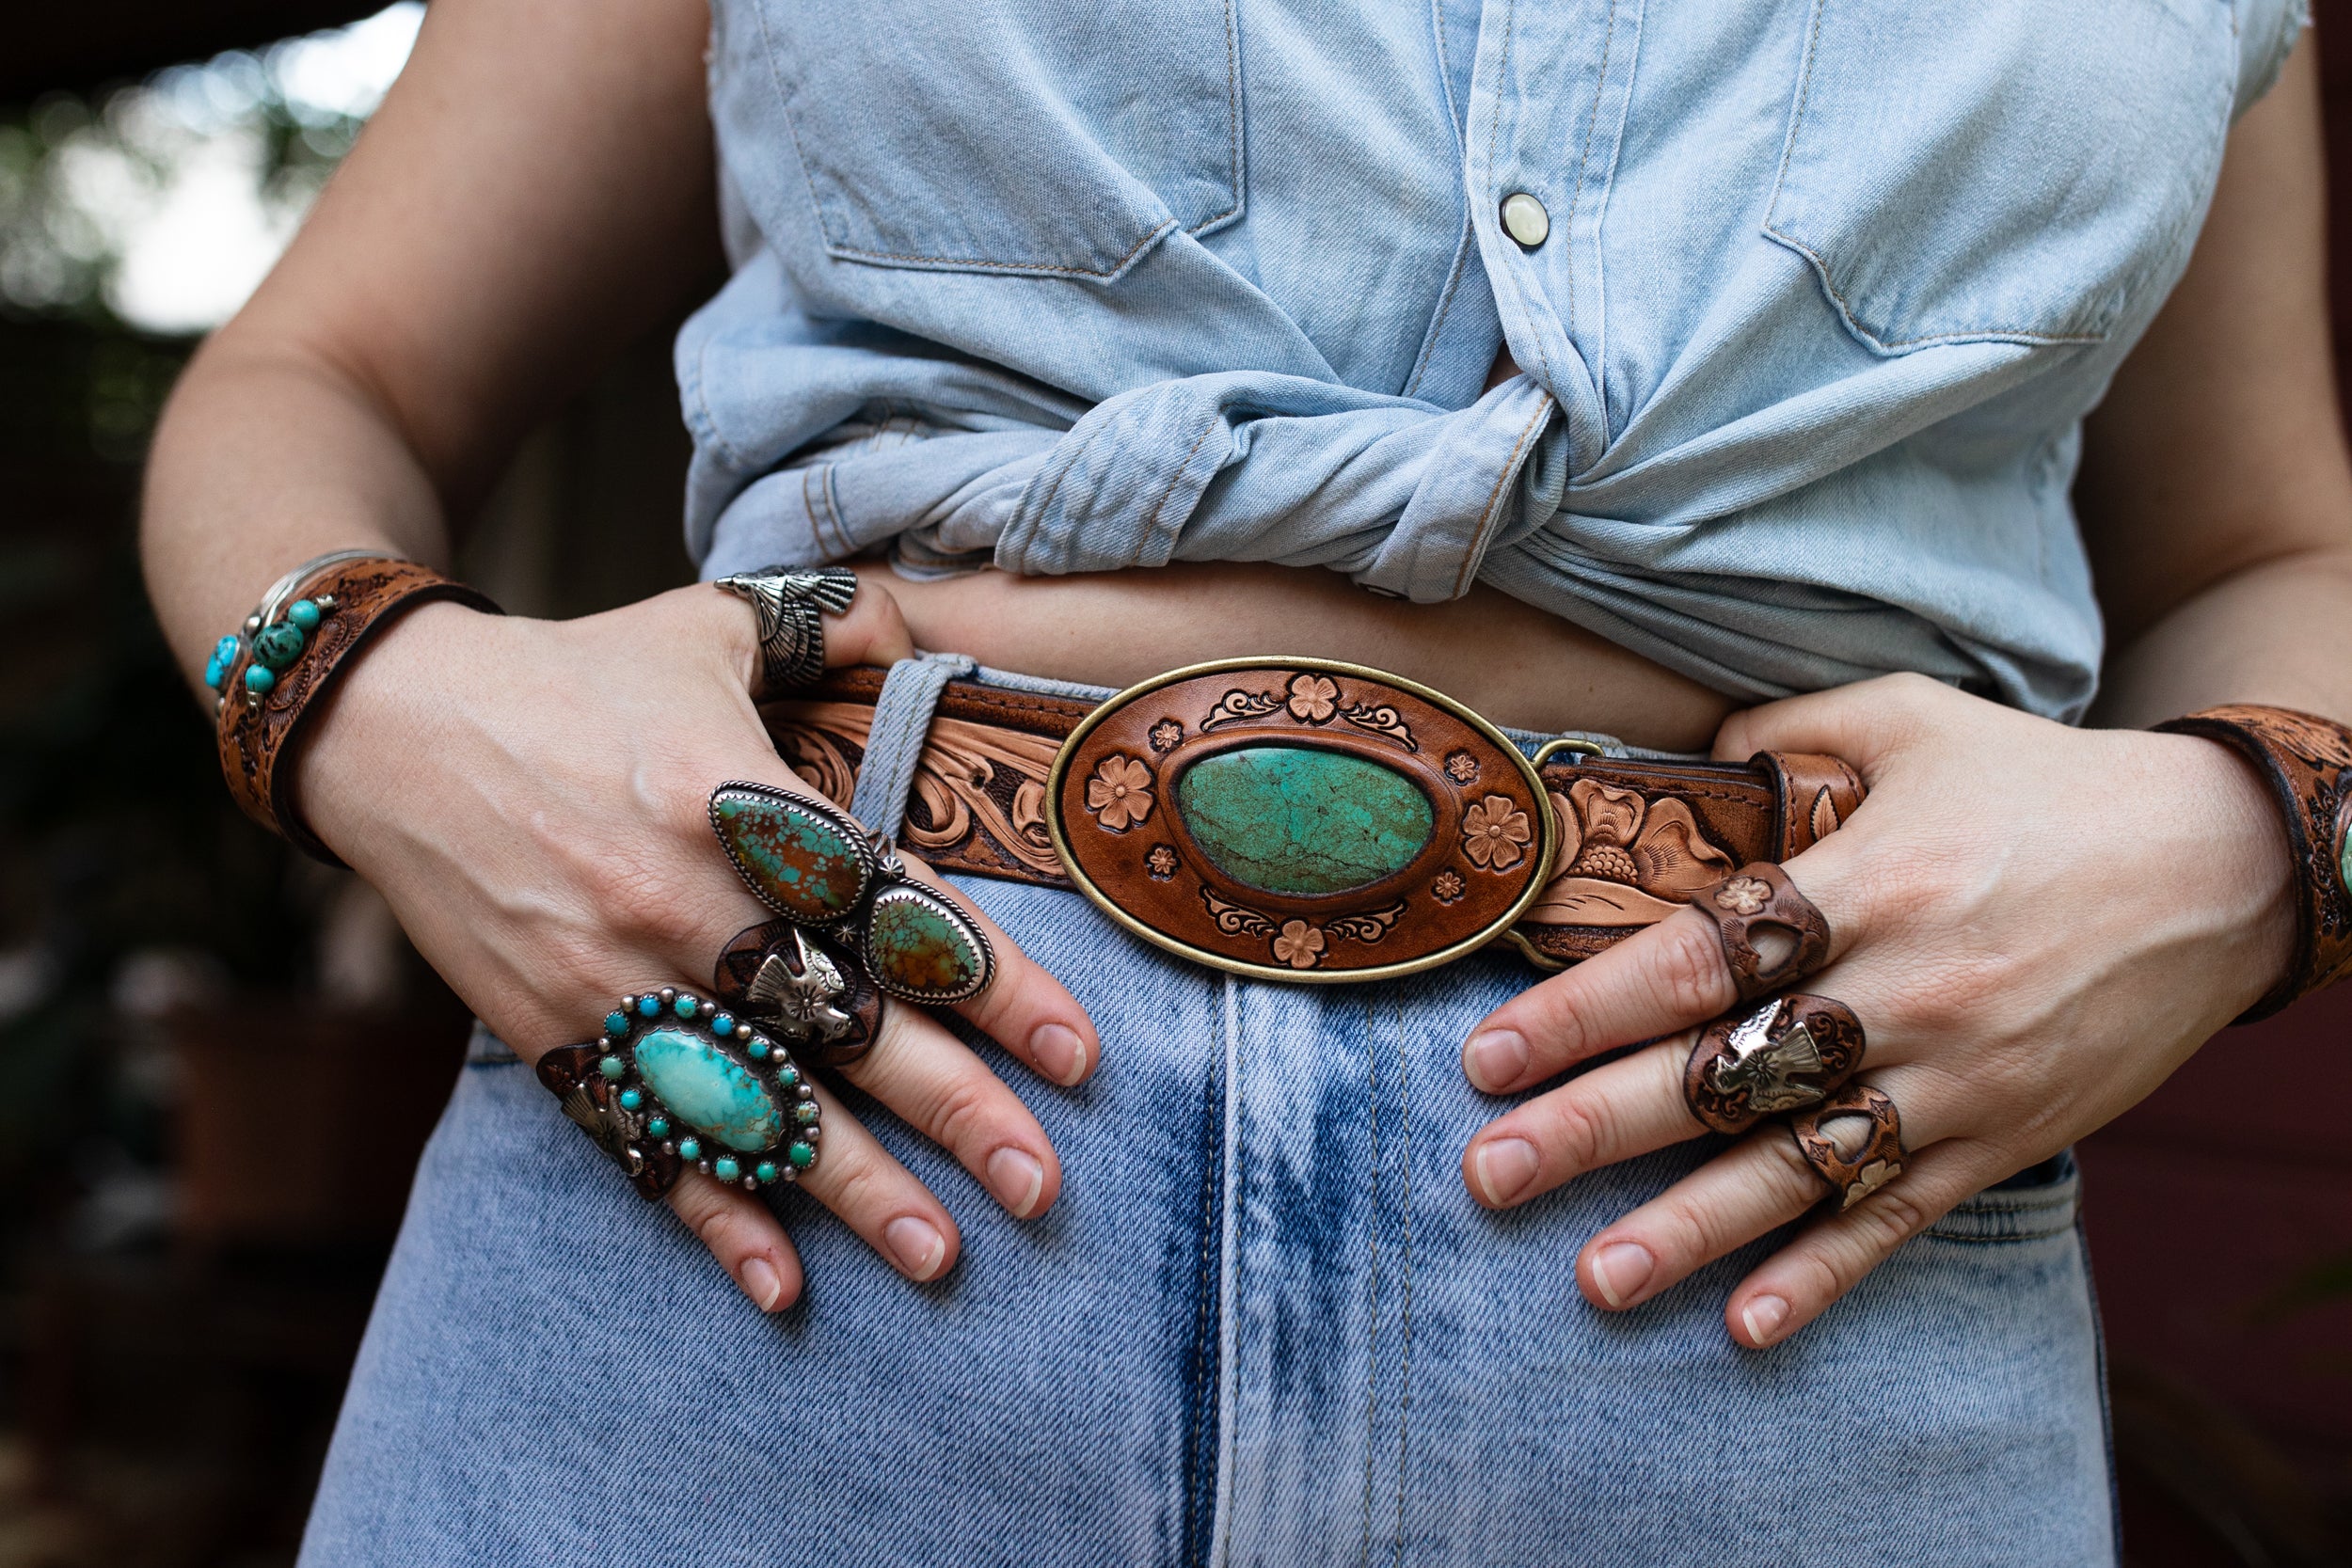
[(272, 675), (2307, 762)]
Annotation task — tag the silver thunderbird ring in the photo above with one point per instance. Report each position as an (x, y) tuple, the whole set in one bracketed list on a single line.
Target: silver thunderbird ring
[(791, 602)]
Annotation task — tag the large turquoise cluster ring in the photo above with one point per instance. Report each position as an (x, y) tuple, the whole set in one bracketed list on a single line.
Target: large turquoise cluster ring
[(813, 864), (676, 1082)]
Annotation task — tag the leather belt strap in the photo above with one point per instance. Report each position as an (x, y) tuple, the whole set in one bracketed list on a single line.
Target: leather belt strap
[(1637, 838)]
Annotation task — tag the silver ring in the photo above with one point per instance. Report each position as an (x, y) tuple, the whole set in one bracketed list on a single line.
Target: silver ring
[(790, 603)]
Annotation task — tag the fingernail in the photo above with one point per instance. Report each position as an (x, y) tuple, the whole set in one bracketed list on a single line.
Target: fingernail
[(1059, 1052), (1016, 1178), (761, 1284), (1764, 1315), (1495, 1059), (918, 1244), (1620, 1269), (1505, 1166)]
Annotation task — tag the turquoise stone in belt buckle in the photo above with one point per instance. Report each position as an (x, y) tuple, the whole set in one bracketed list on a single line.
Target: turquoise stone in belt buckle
[(1301, 819)]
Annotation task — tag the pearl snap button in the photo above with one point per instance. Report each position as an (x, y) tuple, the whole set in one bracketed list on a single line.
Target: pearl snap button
[(1525, 220)]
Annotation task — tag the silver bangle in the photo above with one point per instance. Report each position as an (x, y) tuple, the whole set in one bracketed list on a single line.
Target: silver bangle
[(285, 588), (790, 603)]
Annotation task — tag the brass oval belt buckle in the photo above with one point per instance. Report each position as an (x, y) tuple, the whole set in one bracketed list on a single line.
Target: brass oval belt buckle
[(1301, 819)]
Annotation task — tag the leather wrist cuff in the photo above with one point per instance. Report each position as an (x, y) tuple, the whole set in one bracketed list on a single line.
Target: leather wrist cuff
[(258, 736), (2307, 762)]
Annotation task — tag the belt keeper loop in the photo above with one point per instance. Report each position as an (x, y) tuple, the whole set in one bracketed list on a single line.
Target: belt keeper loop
[(903, 718)]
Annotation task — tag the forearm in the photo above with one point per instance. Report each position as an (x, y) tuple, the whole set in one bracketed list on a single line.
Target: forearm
[(268, 455), (2278, 633)]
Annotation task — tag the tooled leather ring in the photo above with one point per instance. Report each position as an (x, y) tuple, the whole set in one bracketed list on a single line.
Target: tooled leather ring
[(801, 987), (1784, 1054), (1771, 934), (1855, 1164)]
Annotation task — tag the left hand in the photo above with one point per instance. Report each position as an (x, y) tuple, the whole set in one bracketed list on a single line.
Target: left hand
[(2035, 924)]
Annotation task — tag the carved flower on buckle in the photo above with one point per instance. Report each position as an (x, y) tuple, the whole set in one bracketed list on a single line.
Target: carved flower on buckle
[(1461, 767), (1743, 895), (1165, 733), (1161, 861), (1495, 834), (1447, 887), (1314, 699), (1119, 794), (1299, 945)]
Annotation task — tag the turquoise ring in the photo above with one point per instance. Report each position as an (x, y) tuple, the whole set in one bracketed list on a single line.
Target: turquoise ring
[(678, 1083), (814, 865)]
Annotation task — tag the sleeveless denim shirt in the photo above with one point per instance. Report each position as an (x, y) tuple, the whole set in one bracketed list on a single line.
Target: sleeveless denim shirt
[(1826, 290)]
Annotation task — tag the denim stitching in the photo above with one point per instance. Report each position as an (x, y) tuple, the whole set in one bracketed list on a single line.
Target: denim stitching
[(1230, 1264), (1152, 522), (1485, 519), (1404, 1386), (1494, 134), (1237, 169), (1055, 269), (1463, 249), (1584, 157), (1236, 174), (1204, 1395), (1829, 286)]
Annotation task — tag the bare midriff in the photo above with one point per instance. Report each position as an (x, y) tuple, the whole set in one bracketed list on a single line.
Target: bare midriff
[(1515, 664)]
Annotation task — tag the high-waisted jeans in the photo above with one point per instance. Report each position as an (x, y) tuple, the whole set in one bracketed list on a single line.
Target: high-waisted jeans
[(1265, 1324)]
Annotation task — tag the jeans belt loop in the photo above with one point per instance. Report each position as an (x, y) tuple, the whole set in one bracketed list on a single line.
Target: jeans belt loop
[(903, 716)]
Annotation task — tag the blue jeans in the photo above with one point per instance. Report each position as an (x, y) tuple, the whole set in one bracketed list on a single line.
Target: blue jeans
[(1265, 1324)]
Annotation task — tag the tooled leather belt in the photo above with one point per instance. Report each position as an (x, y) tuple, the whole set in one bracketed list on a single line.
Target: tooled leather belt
[(1309, 820)]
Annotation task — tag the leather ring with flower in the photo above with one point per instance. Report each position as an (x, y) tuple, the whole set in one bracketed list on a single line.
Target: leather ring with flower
[(801, 987), (677, 1082), (1771, 934), (1784, 1054), (814, 865), (1854, 1140)]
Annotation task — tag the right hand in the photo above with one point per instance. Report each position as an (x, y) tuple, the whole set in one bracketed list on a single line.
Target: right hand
[(530, 795)]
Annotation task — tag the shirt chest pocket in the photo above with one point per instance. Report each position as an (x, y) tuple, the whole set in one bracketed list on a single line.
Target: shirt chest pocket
[(2014, 170), (1024, 136)]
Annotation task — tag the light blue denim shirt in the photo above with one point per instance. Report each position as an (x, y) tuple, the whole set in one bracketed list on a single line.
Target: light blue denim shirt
[(1823, 294)]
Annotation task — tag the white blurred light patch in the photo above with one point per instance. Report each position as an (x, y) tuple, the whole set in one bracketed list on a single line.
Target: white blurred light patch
[(170, 192)]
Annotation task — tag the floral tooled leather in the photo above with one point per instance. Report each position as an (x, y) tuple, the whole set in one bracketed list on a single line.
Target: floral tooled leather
[(1772, 935), (2307, 762), (1854, 1166)]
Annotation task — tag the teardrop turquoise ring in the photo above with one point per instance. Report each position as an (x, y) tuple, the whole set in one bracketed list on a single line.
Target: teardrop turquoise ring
[(676, 1083), (814, 865)]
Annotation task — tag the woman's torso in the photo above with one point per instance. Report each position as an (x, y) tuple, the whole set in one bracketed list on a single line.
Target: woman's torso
[(1817, 297)]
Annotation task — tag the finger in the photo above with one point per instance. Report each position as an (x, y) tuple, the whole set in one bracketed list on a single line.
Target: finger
[(743, 1236), (928, 1078), (1672, 976), (1831, 1256), (1024, 1009), (873, 630), (1862, 724), (878, 1197), (1753, 1188), (1612, 1113)]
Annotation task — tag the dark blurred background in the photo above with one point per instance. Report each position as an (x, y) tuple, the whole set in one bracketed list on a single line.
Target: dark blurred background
[(204, 1150)]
